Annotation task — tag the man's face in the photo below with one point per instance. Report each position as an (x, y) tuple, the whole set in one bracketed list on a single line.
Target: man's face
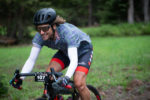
[(45, 30)]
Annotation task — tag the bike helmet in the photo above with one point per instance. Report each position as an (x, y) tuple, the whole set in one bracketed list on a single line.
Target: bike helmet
[(44, 16)]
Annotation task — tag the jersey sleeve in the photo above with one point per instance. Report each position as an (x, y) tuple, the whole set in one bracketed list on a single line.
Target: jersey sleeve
[(37, 40)]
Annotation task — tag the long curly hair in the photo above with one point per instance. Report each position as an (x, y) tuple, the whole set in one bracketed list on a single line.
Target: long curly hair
[(59, 20)]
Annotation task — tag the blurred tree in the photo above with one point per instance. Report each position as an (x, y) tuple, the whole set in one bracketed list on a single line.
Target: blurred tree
[(90, 13), (131, 12), (75, 11), (110, 11), (138, 11), (146, 10)]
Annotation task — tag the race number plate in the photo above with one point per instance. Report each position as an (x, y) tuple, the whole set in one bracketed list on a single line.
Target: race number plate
[(40, 77)]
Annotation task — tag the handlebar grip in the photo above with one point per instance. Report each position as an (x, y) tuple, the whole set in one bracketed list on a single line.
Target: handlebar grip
[(16, 84)]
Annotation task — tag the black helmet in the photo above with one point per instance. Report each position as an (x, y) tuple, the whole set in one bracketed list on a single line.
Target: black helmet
[(44, 16)]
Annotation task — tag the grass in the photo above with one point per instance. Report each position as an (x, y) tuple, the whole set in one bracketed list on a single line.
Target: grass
[(119, 60), (116, 61)]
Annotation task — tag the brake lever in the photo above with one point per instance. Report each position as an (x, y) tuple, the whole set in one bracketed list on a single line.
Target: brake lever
[(16, 74)]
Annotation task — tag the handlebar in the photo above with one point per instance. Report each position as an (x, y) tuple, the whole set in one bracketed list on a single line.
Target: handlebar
[(39, 76), (27, 74)]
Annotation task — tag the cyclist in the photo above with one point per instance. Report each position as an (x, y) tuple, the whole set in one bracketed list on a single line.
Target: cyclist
[(74, 49)]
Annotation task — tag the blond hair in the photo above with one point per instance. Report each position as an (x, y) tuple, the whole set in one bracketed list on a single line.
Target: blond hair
[(59, 20)]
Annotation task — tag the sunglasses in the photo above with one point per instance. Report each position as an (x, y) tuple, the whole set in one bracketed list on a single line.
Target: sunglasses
[(44, 29)]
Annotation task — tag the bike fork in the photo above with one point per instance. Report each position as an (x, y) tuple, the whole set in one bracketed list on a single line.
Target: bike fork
[(46, 93)]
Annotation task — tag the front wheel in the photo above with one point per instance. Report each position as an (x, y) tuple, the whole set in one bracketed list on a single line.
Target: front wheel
[(93, 93)]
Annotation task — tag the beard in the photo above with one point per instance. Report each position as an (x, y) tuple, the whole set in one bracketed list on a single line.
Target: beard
[(45, 36), (48, 36)]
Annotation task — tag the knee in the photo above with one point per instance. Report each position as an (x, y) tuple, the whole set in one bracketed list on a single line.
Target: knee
[(80, 85)]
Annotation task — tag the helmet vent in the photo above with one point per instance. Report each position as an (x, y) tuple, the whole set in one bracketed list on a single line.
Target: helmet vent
[(38, 18), (42, 17), (48, 17)]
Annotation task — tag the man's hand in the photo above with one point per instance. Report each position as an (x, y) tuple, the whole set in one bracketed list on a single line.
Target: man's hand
[(63, 81), (16, 83)]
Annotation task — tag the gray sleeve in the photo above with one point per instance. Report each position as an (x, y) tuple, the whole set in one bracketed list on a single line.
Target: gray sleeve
[(37, 40)]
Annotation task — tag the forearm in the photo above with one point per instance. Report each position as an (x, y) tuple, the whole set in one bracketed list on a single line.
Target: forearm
[(29, 65), (71, 69), (73, 56)]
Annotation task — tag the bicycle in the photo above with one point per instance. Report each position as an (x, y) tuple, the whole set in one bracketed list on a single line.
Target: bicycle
[(52, 90)]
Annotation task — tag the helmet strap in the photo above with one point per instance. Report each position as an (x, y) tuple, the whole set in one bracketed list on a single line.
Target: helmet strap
[(53, 35)]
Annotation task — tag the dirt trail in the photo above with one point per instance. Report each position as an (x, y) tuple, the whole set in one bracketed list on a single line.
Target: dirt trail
[(135, 90)]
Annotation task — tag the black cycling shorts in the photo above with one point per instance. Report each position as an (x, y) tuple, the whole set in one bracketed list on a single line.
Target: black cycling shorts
[(84, 60)]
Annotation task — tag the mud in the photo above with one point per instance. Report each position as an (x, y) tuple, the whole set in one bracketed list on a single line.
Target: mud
[(135, 90)]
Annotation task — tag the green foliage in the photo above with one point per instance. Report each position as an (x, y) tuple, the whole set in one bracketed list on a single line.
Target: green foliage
[(131, 29), (111, 11), (146, 29), (2, 30), (119, 30)]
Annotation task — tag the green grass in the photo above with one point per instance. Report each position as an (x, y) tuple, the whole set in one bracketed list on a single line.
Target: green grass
[(116, 61), (119, 60)]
